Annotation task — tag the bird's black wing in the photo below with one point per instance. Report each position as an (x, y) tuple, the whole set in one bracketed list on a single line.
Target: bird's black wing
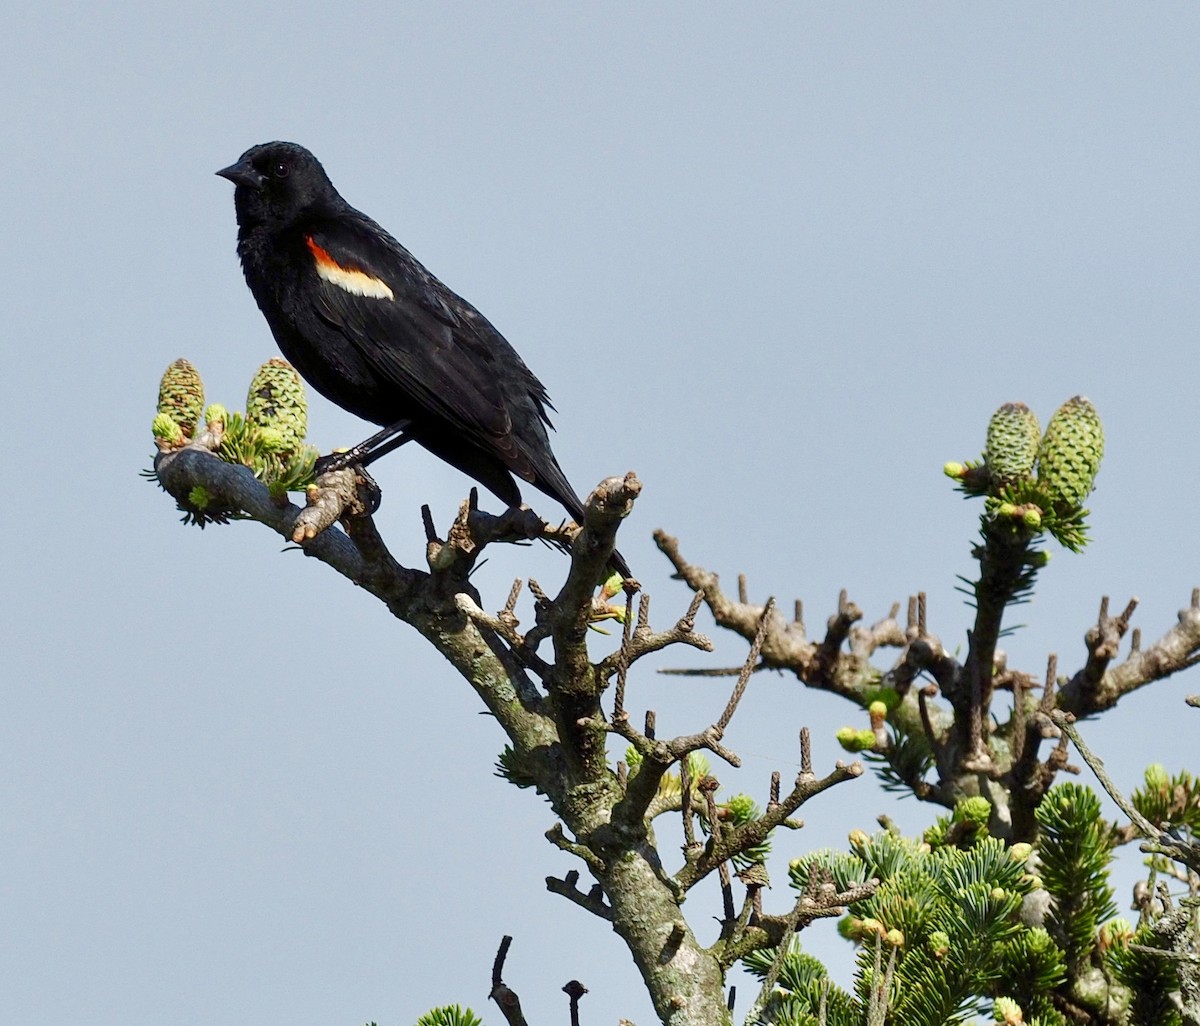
[(434, 348)]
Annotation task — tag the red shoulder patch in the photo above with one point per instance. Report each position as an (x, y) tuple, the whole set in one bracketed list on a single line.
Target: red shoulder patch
[(350, 279)]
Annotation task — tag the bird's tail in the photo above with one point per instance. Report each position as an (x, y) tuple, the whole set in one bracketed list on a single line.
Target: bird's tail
[(558, 487)]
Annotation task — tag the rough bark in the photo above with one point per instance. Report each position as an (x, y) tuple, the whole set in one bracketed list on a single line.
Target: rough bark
[(550, 709)]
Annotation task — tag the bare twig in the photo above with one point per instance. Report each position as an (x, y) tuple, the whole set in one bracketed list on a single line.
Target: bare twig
[(685, 803), (784, 647), (592, 902), (608, 504), (557, 837), (574, 686), (705, 671), (473, 529), (838, 629), (1104, 642), (1178, 649), (708, 787), (735, 840), (574, 990), (643, 641), (739, 689), (623, 659), (885, 633), (501, 993), (1159, 841), (923, 653), (820, 900)]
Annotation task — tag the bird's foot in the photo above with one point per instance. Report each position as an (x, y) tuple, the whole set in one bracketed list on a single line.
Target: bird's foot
[(374, 494), (339, 459), (348, 459)]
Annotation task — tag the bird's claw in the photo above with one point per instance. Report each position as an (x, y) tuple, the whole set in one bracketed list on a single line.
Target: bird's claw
[(339, 460), (345, 460), (374, 496)]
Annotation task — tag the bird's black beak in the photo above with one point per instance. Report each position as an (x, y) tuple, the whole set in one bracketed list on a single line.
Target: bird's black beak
[(243, 173)]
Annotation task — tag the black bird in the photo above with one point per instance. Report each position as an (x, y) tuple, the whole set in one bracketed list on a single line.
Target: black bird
[(373, 331)]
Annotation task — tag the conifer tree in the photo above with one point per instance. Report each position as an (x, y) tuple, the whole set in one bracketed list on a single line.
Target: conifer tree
[(1002, 909)]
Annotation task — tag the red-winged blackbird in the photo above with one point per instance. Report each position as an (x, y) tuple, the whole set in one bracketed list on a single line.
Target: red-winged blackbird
[(372, 330)]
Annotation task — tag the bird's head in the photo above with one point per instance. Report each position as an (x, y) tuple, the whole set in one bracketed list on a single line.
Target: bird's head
[(276, 183)]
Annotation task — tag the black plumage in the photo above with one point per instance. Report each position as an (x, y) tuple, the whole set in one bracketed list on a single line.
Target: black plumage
[(373, 331)]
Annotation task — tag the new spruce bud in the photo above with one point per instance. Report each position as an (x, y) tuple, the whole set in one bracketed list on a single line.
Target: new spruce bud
[(1157, 778), (273, 440), (1039, 940), (611, 586), (277, 400), (181, 395), (166, 430), (1070, 453), (957, 471), (1114, 932), (878, 712), (975, 810), (216, 414), (852, 739), (1007, 1011), (741, 808), (847, 737), (872, 927), (1012, 442)]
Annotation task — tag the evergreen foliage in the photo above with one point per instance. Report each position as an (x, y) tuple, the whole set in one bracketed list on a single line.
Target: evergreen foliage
[(957, 915), (1075, 853), (450, 1015), (1003, 907), (269, 439)]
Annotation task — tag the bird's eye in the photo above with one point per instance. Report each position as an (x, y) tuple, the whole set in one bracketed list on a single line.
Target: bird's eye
[(281, 169)]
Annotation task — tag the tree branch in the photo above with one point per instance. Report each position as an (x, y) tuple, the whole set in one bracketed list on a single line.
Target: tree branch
[(593, 901), (1178, 649), (410, 595), (784, 646), (501, 993), (739, 839), (574, 686), (1158, 841), (643, 641)]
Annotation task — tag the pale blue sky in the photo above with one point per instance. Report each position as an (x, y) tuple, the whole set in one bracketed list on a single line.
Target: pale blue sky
[(782, 260)]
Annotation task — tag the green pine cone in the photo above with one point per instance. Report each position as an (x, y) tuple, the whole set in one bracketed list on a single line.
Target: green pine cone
[(1070, 453), (1012, 442), (181, 395), (277, 400)]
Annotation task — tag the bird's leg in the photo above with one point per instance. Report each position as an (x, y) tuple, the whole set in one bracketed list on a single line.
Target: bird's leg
[(388, 445), (379, 444)]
